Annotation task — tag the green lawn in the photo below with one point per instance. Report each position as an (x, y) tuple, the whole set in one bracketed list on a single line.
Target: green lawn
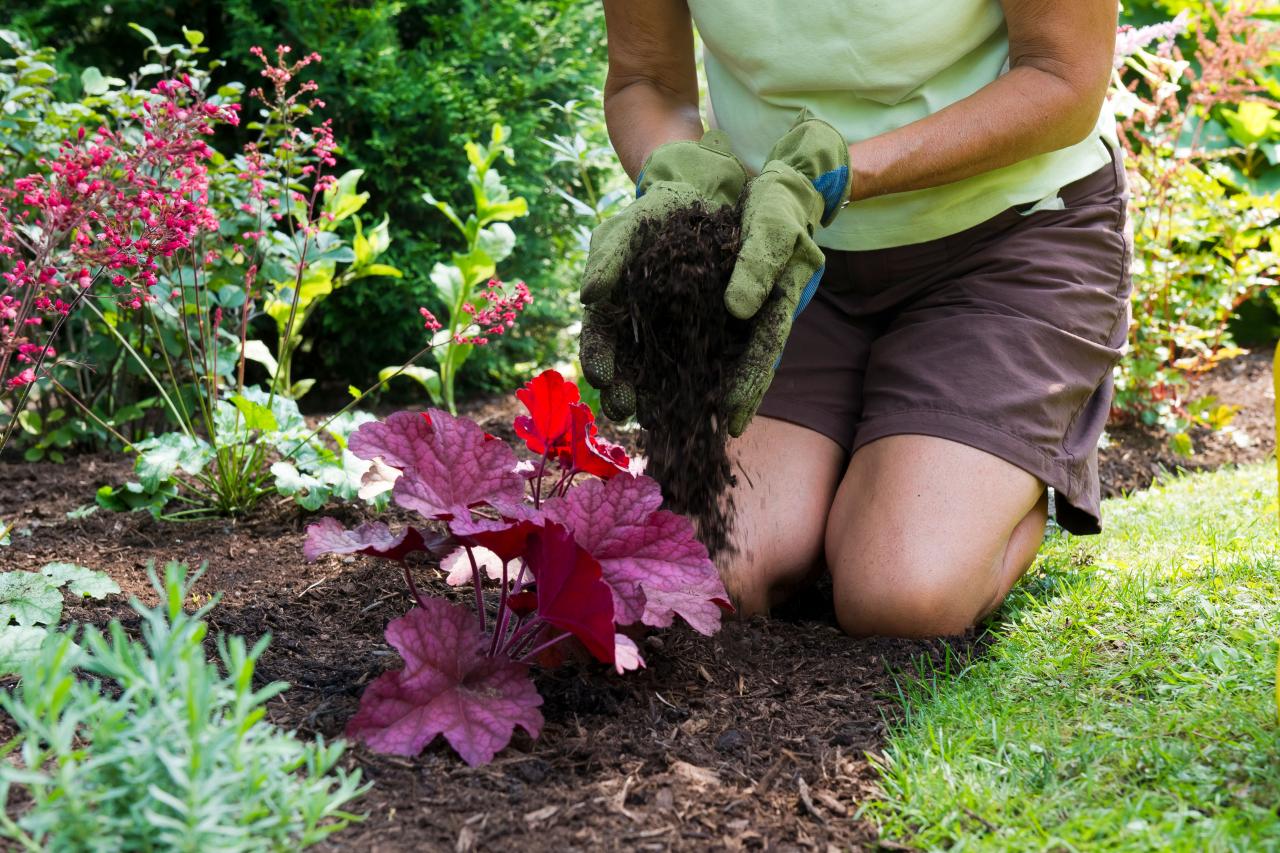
[(1128, 699)]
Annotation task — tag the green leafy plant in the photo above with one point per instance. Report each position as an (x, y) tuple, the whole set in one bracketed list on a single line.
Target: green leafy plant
[(31, 607), (298, 284), (488, 241), (1202, 234), (220, 778)]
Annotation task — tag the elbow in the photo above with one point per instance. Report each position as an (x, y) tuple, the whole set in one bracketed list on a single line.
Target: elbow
[(1073, 106)]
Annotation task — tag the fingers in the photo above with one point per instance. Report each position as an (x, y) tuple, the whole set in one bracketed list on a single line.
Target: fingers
[(597, 351), (610, 248), (772, 222), (754, 372)]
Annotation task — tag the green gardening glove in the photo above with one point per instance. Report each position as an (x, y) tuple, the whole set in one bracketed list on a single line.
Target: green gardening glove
[(675, 176), (804, 184)]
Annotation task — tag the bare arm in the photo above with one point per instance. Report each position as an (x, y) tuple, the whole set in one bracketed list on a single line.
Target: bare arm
[(1060, 63), (651, 92)]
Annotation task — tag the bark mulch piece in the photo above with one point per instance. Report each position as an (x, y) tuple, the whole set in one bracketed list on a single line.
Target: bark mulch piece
[(677, 345), (753, 739)]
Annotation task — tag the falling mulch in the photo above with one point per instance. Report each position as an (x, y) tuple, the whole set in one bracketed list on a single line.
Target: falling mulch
[(753, 739), (1136, 455), (677, 345)]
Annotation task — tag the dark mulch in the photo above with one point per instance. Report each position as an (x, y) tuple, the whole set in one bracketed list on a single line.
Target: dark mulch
[(1138, 454), (753, 739)]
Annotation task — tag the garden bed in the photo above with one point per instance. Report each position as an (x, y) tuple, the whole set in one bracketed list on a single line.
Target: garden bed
[(706, 747)]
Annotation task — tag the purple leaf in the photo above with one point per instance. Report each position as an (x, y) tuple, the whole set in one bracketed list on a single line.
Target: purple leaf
[(571, 595), (651, 558), (450, 464), (448, 686), (328, 536)]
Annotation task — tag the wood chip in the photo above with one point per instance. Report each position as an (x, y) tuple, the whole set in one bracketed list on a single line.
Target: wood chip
[(695, 775), (541, 814), (807, 801)]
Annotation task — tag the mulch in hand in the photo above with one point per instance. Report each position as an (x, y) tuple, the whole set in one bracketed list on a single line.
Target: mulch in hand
[(678, 345)]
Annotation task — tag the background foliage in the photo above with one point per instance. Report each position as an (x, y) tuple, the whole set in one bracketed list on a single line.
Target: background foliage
[(407, 82)]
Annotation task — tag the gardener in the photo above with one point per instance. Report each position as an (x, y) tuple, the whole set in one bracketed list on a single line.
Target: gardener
[(941, 184)]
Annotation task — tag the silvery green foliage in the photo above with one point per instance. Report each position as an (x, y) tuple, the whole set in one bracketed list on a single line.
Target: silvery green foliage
[(147, 745)]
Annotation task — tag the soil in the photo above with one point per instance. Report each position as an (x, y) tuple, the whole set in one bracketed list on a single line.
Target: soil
[(1137, 454), (676, 346), (755, 739)]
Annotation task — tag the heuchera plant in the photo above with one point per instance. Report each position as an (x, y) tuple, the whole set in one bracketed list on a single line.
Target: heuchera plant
[(572, 545)]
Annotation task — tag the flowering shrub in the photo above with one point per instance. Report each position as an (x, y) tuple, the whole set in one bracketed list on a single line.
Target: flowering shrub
[(1202, 236), (569, 558), (111, 205)]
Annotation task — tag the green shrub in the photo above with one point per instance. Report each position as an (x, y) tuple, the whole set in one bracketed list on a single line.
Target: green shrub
[(408, 81), (158, 749)]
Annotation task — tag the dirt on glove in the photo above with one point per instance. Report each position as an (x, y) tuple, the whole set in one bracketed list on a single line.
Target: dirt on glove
[(677, 344)]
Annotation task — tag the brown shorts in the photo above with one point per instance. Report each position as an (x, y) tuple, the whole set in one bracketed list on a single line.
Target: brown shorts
[(1001, 337)]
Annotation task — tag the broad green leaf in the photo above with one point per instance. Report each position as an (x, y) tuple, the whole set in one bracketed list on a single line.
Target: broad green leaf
[(194, 37), (354, 392), (30, 422), (159, 457), (1251, 122), (448, 282), (300, 388), (475, 267), (29, 599), (80, 580), (19, 645), (426, 377), (146, 33), (257, 351), (360, 245), (341, 200), (379, 236), (380, 269), (256, 416), (95, 83), (497, 241)]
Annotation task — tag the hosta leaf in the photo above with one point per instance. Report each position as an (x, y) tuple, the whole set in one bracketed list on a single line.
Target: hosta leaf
[(448, 687), (81, 580), (450, 464), (28, 599), (651, 558)]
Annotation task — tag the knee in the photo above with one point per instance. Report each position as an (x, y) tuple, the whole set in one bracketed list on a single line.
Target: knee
[(898, 592)]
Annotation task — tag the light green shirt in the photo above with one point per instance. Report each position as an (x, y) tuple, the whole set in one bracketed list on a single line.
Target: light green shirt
[(868, 67)]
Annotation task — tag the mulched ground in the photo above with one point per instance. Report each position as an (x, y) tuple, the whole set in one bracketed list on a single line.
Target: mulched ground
[(755, 739), (1138, 454)]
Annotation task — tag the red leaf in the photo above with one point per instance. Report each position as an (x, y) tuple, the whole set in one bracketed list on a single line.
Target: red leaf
[(449, 465), (328, 536), (504, 538), (523, 603), (592, 455), (650, 558), (571, 594), (546, 428), (448, 686)]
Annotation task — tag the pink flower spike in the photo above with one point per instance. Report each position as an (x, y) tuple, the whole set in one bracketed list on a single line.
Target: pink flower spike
[(448, 686)]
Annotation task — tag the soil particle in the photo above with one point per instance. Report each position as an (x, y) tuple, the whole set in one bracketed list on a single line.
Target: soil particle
[(677, 344)]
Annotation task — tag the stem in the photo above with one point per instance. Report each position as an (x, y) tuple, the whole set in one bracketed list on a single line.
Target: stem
[(475, 580), (501, 628), (413, 587), (92, 416), (145, 369), (531, 627), (537, 650)]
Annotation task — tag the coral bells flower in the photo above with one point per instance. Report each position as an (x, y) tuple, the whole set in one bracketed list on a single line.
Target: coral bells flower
[(431, 324), (499, 312)]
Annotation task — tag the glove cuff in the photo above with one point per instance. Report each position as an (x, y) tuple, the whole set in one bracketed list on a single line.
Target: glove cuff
[(709, 166), (818, 151)]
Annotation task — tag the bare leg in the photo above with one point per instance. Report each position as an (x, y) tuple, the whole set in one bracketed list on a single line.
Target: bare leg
[(926, 536), (787, 478)]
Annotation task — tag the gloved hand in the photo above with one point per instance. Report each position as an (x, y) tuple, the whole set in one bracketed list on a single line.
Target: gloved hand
[(675, 176), (804, 183)]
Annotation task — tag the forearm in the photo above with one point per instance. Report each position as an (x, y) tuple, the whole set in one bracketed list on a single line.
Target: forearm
[(642, 115), (1022, 114)]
